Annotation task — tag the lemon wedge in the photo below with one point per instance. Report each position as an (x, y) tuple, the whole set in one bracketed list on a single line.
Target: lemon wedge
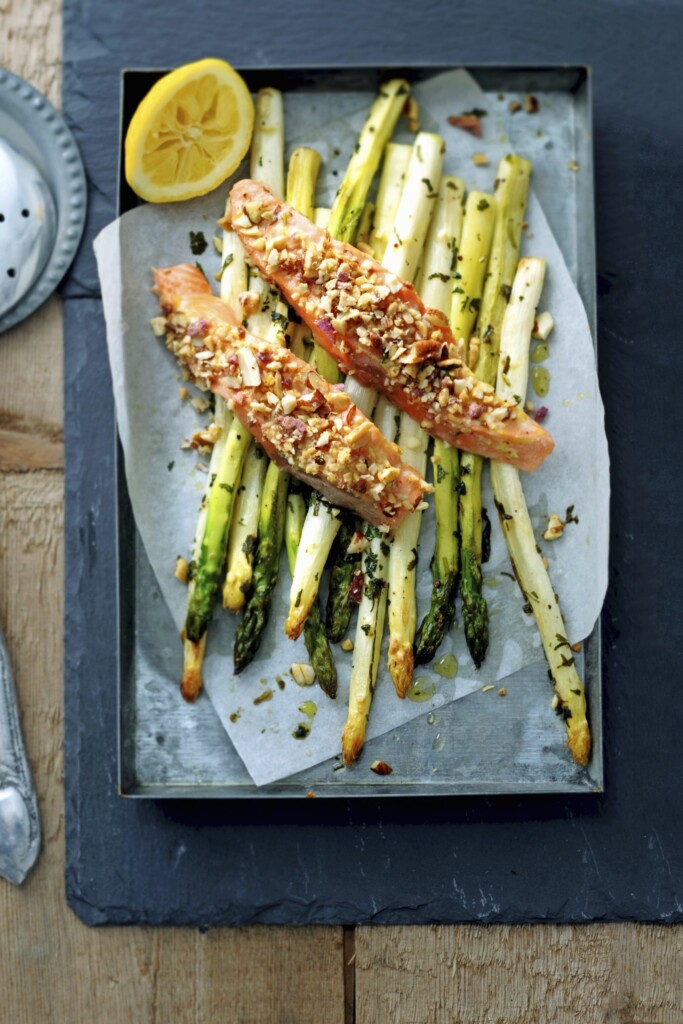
[(190, 132)]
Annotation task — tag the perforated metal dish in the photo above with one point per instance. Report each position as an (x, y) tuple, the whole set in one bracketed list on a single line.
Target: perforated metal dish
[(37, 134)]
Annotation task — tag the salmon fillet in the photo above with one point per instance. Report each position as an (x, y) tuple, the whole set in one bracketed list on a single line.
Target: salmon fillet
[(376, 326), (305, 425)]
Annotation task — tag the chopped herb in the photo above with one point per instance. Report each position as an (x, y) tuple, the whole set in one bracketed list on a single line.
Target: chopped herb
[(198, 243), (200, 268), (171, 465), (227, 261), (441, 277), (483, 204)]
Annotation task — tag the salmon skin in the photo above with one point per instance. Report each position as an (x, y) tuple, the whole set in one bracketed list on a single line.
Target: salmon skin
[(376, 326), (305, 425)]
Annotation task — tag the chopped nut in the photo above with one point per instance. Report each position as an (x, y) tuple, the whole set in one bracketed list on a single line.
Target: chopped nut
[(514, 106), (218, 244), (183, 392), (346, 645), (473, 352), (253, 212), (531, 104), (543, 325), (381, 768), (303, 675), (250, 302), (358, 543), (199, 404), (480, 159), (248, 363), (573, 165), (158, 325), (182, 569), (289, 403), (489, 686), (555, 528), (502, 692), (575, 647)]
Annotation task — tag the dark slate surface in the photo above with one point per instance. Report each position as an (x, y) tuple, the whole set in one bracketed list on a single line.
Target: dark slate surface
[(615, 856)]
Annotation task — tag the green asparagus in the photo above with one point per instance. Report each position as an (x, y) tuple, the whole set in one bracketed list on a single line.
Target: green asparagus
[(301, 181), (223, 478), (322, 521), (440, 267), (271, 527), (269, 320)]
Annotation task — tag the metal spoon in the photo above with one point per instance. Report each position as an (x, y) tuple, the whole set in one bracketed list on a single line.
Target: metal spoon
[(19, 823)]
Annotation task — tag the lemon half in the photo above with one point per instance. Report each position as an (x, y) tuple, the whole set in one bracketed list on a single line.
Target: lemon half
[(190, 132)]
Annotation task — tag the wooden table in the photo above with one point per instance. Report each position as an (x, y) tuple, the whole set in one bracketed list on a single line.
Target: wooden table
[(53, 969)]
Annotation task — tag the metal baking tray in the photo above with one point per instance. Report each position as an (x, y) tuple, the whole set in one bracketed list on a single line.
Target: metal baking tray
[(473, 746)]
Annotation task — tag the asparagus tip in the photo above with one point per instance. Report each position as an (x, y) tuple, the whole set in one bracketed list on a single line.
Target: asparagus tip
[(400, 665), (191, 682), (353, 740), (579, 741)]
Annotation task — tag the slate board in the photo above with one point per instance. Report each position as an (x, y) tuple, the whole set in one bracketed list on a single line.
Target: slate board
[(612, 856)]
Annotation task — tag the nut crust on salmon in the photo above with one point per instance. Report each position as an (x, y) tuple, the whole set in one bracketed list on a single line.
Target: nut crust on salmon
[(305, 425), (376, 327)]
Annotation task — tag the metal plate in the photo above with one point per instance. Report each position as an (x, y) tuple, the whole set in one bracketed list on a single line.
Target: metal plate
[(169, 749), (32, 125)]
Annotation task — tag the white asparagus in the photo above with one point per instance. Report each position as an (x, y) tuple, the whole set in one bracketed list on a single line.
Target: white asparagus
[(371, 615), (402, 254), (412, 208), (527, 561), (435, 287)]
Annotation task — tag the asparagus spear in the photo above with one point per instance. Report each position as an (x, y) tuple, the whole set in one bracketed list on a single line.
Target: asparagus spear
[(301, 181), (345, 565), (223, 477), (412, 438), (435, 287), (396, 160), (512, 184), (527, 561), (322, 521), (370, 628), (406, 241), (376, 132), (480, 213), (271, 528), (269, 320), (315, 636)]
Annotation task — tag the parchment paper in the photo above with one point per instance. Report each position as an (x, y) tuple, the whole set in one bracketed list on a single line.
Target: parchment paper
[(166, 484)]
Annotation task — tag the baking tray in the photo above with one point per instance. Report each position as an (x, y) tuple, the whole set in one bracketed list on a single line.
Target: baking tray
[(168, 749)]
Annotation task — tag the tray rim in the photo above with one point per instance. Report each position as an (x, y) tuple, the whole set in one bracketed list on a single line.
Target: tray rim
[(285, 789)]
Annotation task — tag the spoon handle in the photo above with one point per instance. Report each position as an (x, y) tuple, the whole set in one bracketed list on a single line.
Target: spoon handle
[(19, 822)]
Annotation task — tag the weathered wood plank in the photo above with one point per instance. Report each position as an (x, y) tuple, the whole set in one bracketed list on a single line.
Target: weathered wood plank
[(52, 968), (525, 974)]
